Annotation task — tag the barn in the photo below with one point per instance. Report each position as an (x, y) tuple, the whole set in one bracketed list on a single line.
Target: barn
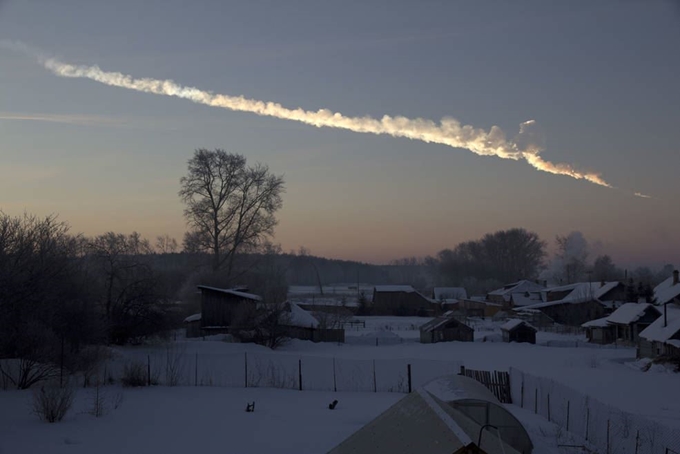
[(401, 300), (516, 330), (446, 329), (219, 306)]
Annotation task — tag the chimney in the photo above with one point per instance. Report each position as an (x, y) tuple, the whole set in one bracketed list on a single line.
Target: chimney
[(545, 283), (676, 277), (602, 282)]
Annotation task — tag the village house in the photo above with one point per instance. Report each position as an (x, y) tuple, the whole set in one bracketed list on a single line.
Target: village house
[(575, 304), (624, 324), (473, 307), (516, 330), (218, 307), (446, 329), (402, 300), (300, 324), (668, 291), (504, 295), (662, 337)]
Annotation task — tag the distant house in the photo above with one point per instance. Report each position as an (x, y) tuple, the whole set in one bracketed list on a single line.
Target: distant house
[(192, 324), (668, 291), (470, 307), (219, 306), (401, 300), (448, 295), (504, 294), (662, 337), (598, 331), (575, 304), (625, 323), (446, 329), (516, 330), (300, 324)]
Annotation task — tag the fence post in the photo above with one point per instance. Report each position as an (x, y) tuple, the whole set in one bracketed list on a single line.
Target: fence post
[(536, 401), (245, 356), (408, 372), (148, 370), (376, 341), (335, 382), (637, 441), (196, 371), (587, 420), (568, 405), (608, 436), (375, 383), (549, 408), (522, 403), (300, 373)]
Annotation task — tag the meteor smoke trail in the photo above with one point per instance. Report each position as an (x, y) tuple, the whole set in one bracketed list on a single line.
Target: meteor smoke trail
[(448, 131)]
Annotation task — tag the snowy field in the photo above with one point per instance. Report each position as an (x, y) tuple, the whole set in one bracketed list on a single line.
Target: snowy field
[(192, 419), (183, 418)]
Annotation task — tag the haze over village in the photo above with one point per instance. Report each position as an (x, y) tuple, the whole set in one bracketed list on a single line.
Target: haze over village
[(299, 227)]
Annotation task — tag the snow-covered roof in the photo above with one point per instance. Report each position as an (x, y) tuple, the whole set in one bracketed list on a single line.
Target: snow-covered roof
[(630, 313), (666, 291), (244, 295), (517, 287), (581, 292), (514, 323), (525, 298), (193, 318), (394, 288), (439, 321), (597, 323), (300, 317), (660, 333), (448, 293)]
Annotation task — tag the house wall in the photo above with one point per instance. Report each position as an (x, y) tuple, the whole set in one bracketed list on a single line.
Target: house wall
[(601, 335), (400, 303), (217, 309), (574, 314)]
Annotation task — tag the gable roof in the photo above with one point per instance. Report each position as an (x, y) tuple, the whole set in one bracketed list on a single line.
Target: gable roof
[(439, 322), (660, 333), (394, 288), (300, 317), (630, 313), (244, 295), (666, 291), (445, 293), (514, 323), (517, 287), (525, 298), (597, 323), (580, 292)]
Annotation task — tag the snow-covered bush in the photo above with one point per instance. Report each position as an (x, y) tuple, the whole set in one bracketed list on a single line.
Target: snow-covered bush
[(51, 402), (134, 374)]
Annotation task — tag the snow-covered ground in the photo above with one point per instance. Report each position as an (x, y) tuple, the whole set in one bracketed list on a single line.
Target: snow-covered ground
[(300, 421), (180, 420)]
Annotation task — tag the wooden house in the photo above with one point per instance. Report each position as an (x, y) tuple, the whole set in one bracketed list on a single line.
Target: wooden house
[(516, 330), (504, 294), (598, 331), (401, 300), (662, 337), (219, 306), (446, 329), (575, 304)]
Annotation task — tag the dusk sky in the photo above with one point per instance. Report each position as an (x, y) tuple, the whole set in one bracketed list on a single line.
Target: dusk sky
[(600, 79)]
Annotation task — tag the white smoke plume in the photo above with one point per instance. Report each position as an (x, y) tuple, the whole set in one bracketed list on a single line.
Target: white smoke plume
[(448, 131)]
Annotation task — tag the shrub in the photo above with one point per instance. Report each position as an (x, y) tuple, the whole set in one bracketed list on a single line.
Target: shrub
[(51, 402), (134, 374)]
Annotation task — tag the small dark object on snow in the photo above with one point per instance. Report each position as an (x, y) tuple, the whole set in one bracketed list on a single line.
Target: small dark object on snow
[(332, 405), (250, 407)]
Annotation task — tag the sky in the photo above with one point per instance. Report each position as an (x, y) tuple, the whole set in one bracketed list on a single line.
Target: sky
[(600, 80)]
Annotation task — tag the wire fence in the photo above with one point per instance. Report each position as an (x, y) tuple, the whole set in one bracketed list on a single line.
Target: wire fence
[(608, 429), (173, 367)]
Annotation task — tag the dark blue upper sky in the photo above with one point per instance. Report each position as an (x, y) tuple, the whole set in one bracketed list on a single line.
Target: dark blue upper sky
[(600, 78)]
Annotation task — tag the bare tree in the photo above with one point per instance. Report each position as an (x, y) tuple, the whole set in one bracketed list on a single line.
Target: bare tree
[(230, 206), (165, 244)]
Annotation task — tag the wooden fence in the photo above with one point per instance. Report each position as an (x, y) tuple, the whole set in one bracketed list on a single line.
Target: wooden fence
[(498, 382)]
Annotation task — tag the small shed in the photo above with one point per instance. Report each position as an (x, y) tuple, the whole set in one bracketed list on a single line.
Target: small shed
[(192, 324), (516, 330), (446, 329), (300, 324), (598, 331)]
